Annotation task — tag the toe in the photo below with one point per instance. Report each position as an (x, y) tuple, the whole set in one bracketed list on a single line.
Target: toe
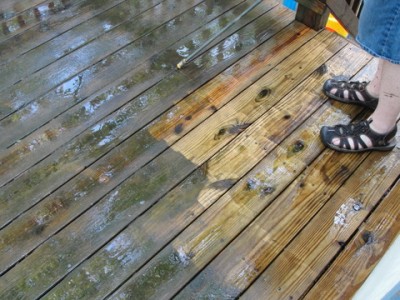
[(328, 85), (325, 134)]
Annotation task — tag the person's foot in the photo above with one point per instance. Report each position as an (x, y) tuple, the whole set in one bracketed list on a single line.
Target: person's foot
[(357, 137), (352, 92)]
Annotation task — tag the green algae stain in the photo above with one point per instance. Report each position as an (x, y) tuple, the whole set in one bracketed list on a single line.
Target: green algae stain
[(88, 109), (207, 285), (129, 250), (145, 285), (96, 276), (39, 276)]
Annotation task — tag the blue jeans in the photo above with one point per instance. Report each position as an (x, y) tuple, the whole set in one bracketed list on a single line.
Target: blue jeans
[(379, 29)]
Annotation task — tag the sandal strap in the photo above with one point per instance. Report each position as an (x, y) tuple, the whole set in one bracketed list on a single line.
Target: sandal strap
[(353, 87), (355, 131), (356, 92)]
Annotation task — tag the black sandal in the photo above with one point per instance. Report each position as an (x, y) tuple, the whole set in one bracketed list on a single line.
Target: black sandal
[(353, 133), (356, 92)]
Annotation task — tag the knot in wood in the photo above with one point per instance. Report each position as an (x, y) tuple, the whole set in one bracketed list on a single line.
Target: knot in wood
[(368, 237), (323, 69), (298, 146), (263, 93)]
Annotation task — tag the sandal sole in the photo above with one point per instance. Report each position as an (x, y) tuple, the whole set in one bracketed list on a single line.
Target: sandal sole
[(381, 149), (388, 147)]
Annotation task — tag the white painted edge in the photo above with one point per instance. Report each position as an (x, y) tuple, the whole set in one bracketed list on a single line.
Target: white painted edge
[(385, 276)]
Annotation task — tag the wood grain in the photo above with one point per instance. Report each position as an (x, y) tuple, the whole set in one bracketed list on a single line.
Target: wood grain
[(355, 263), (301, 263), (122, 177), (205, 237)]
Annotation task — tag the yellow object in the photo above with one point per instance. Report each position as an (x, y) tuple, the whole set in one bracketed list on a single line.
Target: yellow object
[(335, 26)]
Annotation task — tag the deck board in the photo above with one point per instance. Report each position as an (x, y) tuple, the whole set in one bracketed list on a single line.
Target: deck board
[(123, 177), (302, 262), (47, 53), (76, 62), (363, 252), (51, 27), (86, 108)]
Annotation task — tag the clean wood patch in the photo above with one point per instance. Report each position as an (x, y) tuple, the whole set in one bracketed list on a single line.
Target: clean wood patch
[(363, 252)]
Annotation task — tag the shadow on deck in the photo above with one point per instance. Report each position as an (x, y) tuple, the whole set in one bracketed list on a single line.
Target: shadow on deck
[(123, 177)]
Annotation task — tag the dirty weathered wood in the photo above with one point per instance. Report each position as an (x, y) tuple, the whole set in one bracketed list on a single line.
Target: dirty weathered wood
[(45, 207), (143, 67), (68, 42), (44, 12), (37, 35), (312, 13), (54, 165), (24, 92), (9, 8), (111, 129)]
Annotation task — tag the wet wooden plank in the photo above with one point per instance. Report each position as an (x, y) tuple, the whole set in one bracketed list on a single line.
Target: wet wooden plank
[(46, 207), (108, 134), (67, 42), (297, 268), (45, 31), (46, 11), (18, 5), (21, 94), (143, 67), (364, 251), (83, 85), (9, 8), (229, 274), (242, 110)]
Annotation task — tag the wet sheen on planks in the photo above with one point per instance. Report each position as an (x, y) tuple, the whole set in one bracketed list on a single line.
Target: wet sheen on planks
[(123, 177)]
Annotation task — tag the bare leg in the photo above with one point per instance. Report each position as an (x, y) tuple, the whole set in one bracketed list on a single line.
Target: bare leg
[(374, 86), (385, 116)]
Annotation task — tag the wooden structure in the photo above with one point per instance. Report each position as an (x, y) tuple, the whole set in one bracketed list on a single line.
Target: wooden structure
[(124, 178), (314, 13)]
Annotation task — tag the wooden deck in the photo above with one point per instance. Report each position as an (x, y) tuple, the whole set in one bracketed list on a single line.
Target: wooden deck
[(124, 178)]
